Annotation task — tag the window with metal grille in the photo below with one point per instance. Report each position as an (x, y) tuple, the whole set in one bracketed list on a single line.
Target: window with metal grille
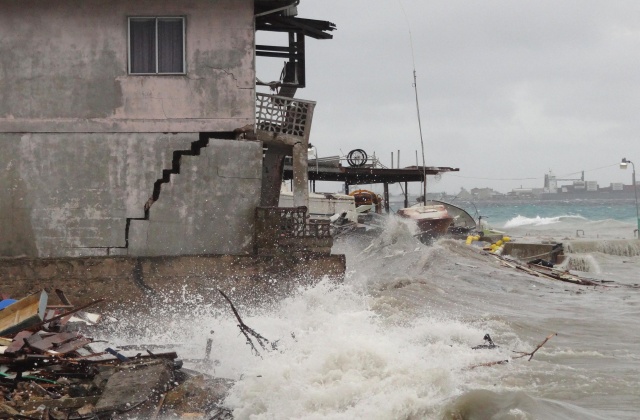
[(156, 45)]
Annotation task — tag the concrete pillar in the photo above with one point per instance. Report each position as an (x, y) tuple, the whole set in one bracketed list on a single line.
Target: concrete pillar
[(271, 178), (300, 176)]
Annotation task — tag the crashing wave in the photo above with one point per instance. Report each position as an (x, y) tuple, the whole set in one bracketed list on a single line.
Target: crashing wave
[(620, 247), (538, 221)]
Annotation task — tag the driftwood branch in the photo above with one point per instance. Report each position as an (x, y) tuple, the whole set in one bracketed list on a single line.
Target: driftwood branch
[(497, 362), (523, 354), (246, 330)]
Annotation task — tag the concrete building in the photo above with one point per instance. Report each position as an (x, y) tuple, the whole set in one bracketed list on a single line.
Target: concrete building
[(130, 128)]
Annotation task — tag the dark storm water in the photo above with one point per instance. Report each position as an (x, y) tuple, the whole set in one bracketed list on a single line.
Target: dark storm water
[(395, 340)]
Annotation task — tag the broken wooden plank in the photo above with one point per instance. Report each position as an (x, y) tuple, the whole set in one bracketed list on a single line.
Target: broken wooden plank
[(18, 343), (71, 346), (53, 341), (23, 314), (561, 275), (40, 324), (169, 355)]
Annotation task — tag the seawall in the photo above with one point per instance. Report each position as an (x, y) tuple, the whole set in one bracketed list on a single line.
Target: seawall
[(138, 282)]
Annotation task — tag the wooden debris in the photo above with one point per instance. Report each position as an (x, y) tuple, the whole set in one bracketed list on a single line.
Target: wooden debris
[(18, 343), (561, 275), (23, 314), (530, 354), (521, 354), (247, 331), (541, 271), (487, 364), (71, 312), (50, 372), (65, 403)]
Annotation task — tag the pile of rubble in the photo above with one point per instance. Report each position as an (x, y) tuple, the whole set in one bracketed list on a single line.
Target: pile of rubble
[(51, 369)]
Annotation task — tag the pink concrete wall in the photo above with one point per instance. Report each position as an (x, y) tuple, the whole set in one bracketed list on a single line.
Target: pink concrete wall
[(63, 68)]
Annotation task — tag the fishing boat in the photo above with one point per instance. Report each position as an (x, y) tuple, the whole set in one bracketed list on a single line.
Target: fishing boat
[(463, 223), (432, 220)]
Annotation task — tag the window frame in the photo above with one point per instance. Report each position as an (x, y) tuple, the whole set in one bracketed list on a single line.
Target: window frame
[(184, 45)]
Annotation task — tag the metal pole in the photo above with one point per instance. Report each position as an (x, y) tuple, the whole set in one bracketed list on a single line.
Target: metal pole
[(386, 197), (391, 160), (635, 190), (424, 166), (415, 88), (398, 166), (623, 165)]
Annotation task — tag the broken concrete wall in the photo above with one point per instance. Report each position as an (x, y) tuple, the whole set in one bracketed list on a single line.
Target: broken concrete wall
[(208, 208), (64, 68), (82, 141), (71, 194)]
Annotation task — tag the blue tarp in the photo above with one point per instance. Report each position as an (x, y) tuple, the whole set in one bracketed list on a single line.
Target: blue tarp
[(6, 302)]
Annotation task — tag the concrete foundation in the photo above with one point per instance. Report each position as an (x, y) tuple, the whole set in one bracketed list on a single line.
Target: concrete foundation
[(140, 282), (65, 195)]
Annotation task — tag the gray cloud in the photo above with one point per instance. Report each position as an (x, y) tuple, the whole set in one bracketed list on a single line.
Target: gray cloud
[(508, 89)]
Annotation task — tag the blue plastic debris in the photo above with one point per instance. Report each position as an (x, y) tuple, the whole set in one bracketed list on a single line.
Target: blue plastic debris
[(6, 302)]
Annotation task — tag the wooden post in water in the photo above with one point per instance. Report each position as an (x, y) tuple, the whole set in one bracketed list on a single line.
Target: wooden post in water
[(406, 195), (386, 197)]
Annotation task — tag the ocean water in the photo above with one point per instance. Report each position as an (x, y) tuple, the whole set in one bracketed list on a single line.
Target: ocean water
[(394, 341)]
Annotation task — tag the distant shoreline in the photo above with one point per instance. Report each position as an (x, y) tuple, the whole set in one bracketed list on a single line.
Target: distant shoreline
[(599, 198)]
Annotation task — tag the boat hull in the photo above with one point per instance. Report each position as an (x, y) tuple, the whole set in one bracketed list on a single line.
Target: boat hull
[(432, 221)]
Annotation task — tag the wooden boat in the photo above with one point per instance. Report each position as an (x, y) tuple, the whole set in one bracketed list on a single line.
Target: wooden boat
[(367, 198), (432, 220), (23, 314)]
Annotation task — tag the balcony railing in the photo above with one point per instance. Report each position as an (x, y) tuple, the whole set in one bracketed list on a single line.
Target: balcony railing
[(288, 229), (284, 115)]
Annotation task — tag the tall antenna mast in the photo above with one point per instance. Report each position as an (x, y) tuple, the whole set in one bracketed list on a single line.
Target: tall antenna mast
[(424, 167), (415, 88)]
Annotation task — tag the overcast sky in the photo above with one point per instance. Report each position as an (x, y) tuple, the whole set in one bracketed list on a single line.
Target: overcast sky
[(508, 90)]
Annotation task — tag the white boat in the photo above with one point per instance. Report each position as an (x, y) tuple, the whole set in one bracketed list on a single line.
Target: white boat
[(323, 206)]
